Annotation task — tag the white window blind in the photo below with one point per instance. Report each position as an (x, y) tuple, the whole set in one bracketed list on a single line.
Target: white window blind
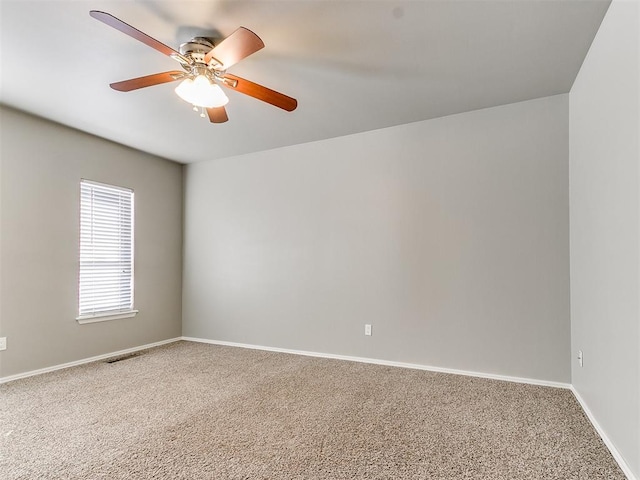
[(106, 250)]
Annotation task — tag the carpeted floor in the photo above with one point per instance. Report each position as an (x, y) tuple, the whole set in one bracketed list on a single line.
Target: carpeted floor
[(197, 411)]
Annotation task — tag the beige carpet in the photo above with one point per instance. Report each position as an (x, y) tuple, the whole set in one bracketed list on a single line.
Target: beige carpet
[(196, 411)]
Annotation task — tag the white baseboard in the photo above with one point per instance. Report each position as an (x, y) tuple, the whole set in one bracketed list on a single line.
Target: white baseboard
[(415, 366), (607, 441), (86, 360)]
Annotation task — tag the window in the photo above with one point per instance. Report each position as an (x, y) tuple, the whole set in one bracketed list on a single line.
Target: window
[(105, 290)]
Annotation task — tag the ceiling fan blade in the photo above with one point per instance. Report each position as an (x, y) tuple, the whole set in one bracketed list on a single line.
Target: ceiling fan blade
[(217, 115), (240, 44), (261, 93), (133, 32), (148, 81)]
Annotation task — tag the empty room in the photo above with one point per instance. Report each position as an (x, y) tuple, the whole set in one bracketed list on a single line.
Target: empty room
[(316, 239)]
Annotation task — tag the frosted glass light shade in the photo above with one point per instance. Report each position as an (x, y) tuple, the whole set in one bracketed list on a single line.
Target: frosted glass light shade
[(201, 93)]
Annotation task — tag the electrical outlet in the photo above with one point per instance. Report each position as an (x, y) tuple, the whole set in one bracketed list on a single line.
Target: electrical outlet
[(3, 343), (367, 330), (580, 357)]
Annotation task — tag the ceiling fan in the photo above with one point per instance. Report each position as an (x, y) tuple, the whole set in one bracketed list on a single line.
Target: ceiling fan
[(204, 66)]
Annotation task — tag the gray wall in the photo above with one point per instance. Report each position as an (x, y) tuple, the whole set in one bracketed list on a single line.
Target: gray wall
[(450, 236), (605, 222), (42, 164)]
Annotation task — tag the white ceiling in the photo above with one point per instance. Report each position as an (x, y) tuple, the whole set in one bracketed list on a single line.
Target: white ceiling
[(352, 65)]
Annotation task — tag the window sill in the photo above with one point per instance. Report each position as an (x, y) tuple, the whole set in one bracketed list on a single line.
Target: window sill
[(105, 317)]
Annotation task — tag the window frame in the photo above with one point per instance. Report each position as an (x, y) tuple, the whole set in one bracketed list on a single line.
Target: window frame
[(110, 314)]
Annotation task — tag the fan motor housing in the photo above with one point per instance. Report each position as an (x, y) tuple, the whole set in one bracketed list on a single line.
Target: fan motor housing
[(197, 48)]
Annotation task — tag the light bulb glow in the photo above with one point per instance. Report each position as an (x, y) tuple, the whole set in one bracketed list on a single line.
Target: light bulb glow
[(201, 93)]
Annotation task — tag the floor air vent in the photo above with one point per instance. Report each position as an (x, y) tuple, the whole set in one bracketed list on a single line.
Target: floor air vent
[(122, 357)]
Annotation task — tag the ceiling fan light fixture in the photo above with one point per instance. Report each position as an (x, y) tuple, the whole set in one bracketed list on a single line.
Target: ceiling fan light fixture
[(204, 66), (201, 92)]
